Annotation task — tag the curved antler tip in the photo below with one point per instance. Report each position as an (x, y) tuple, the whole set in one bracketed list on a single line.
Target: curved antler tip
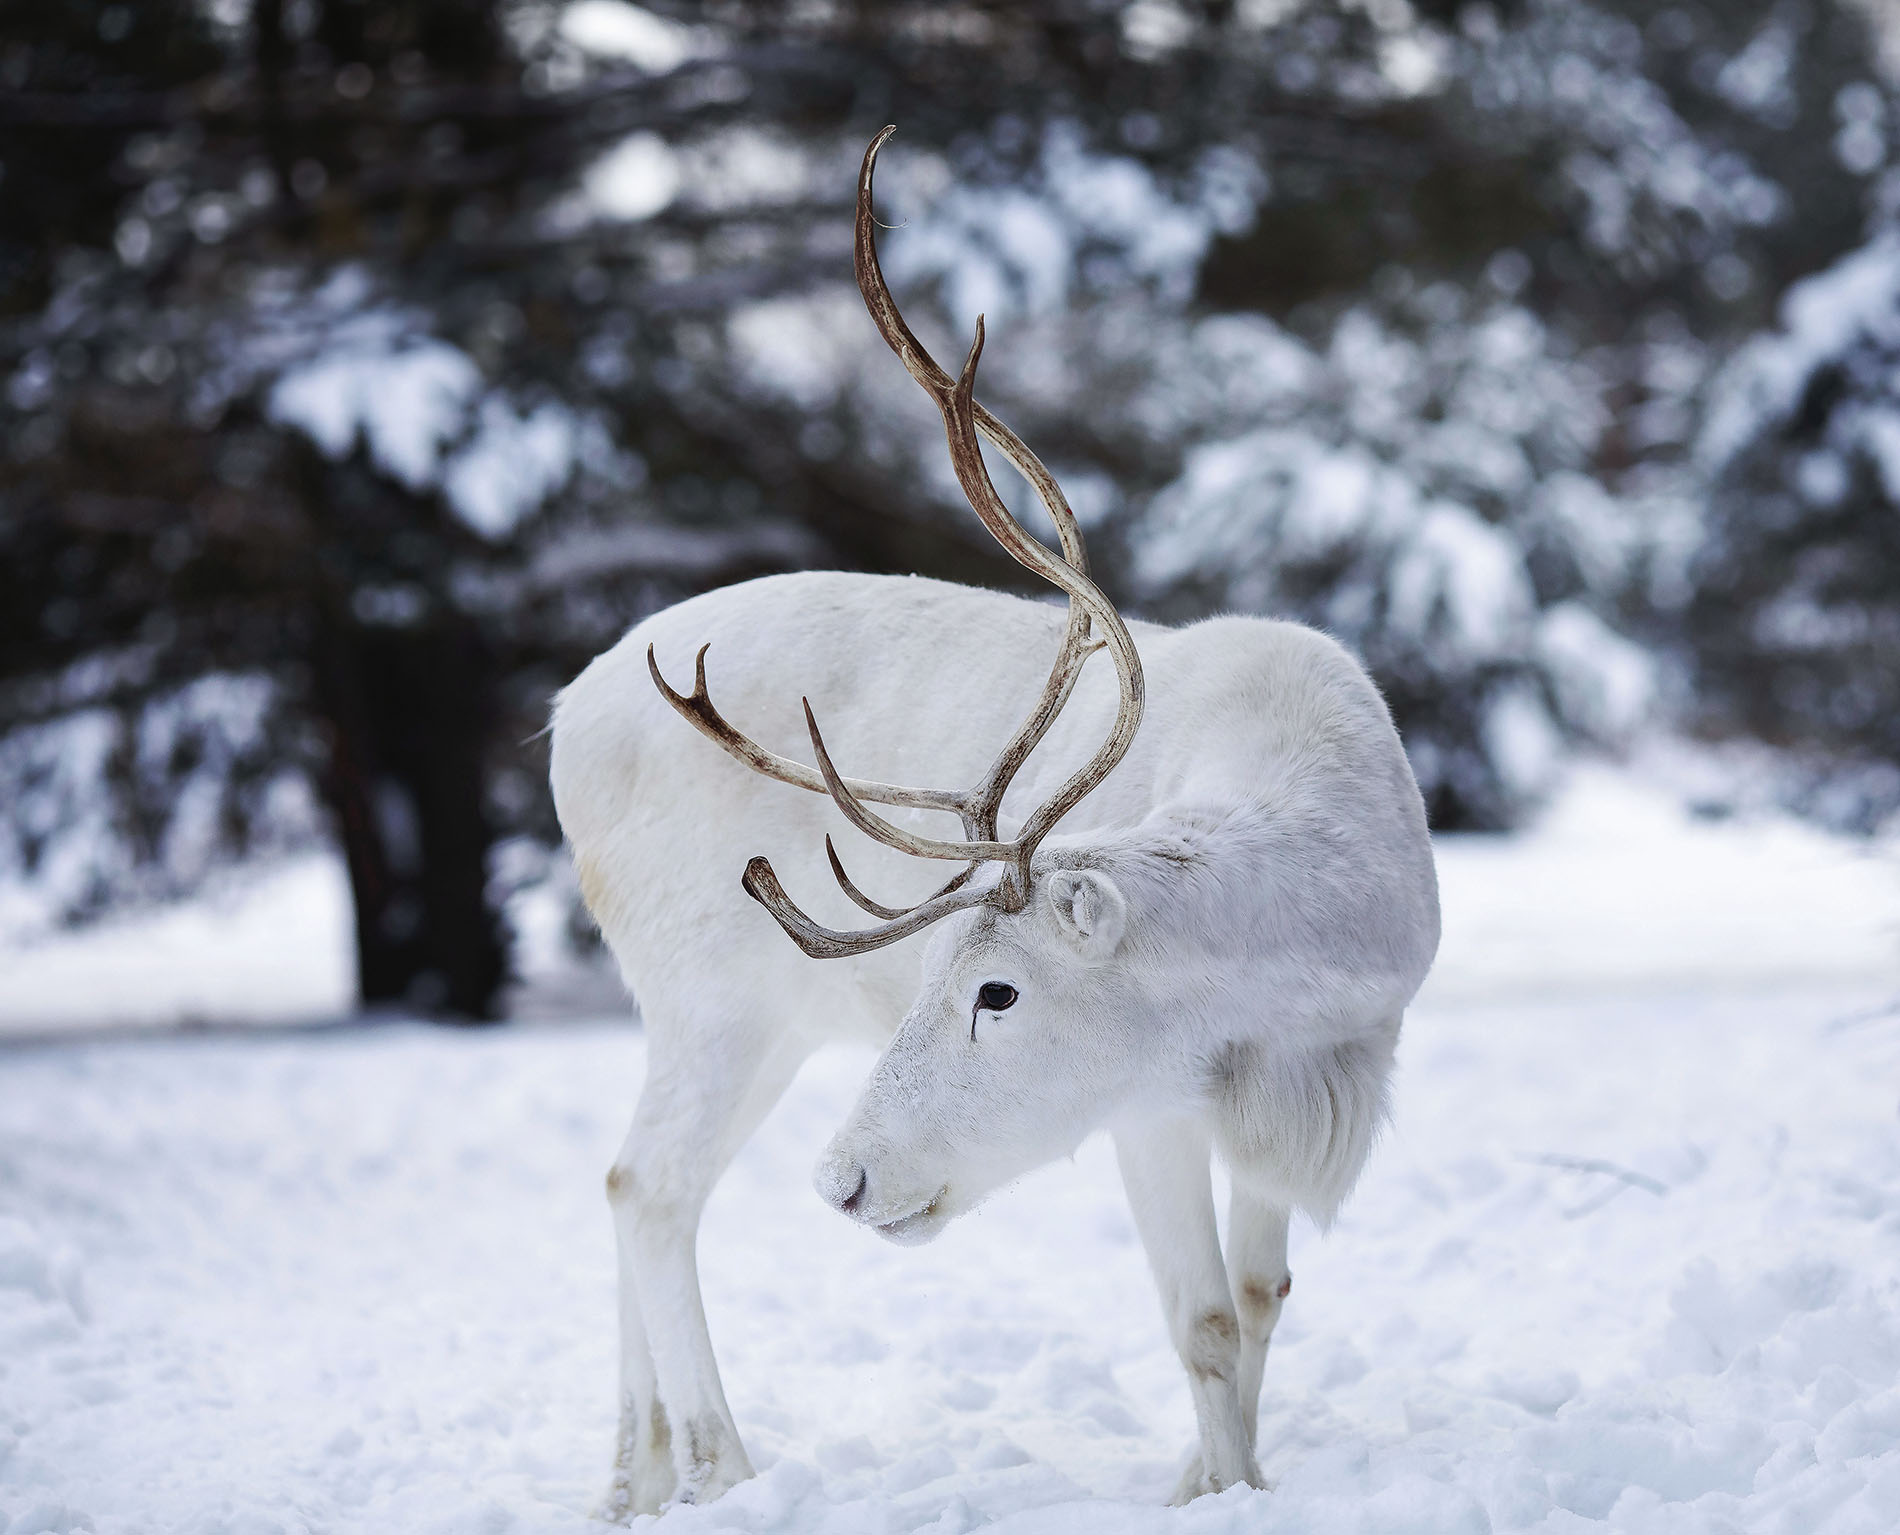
[(653, 670), (962, 396), (759, 881), (837, 864), (762, 885), (871, 149)]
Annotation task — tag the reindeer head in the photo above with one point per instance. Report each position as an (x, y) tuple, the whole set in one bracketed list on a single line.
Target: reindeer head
[(1026, 963), (1026, 1027)]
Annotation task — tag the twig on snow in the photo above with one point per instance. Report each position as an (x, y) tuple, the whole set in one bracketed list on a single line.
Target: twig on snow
[(1866, 1015), (1624, 1179)]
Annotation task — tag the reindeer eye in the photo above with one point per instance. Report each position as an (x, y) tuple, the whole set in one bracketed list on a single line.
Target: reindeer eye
[(994, 996)]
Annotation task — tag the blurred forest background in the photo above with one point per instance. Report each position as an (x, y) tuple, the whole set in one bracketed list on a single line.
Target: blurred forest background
[(366, 366)]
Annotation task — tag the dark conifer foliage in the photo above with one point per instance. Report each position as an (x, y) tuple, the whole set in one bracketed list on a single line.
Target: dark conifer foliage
[(1793, 628)]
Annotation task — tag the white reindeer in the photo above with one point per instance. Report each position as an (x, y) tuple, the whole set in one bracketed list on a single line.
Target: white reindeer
[(1213, 958)]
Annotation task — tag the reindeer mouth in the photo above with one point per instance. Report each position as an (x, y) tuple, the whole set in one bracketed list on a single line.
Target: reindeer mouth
[(919, 1226)]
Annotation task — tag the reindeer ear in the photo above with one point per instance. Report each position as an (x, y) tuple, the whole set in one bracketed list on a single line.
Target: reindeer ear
[(1089, 911)]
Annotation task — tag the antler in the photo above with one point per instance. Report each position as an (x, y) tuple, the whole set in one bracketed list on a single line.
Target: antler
[(698, 708), (978, 806)]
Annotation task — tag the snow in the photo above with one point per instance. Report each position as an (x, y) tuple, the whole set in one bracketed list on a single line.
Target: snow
[(1276, 488), (1605, 683), (1398, 487), (1004, 252), (260, 950), (1521, 738), (1459, 564), (637, 178), (406, 401), (1616, 891), (56, 842), (1415, 64), (1601, 533), (191, 755), (799, 349), (614, 29), (1625, 1260), (744, 167), (419, 405), (1756, 79), (512, 465), (1823, 317)]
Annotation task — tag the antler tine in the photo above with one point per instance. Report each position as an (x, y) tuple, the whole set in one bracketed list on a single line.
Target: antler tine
[(985, 800), (966, 457), (881, 830), (826, 943), (699, 711), (858, 898), (924, 368), (889, 913)]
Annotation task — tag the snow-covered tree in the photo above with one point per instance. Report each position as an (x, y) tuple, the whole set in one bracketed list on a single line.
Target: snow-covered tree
[(1794, 615)]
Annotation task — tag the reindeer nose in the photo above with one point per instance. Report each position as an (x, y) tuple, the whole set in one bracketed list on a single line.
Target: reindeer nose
[(841, 1185)]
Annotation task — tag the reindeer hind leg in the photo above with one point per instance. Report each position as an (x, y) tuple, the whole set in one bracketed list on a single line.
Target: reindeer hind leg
[(1256, 1263)]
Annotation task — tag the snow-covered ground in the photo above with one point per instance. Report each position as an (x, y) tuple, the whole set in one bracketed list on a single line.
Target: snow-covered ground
[(268, 949), (1628, 1259)]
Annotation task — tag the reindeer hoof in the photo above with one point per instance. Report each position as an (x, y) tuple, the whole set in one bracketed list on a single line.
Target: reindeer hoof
[(1195, 1481), (620, 1503), (715, 1462), (713, 1482)]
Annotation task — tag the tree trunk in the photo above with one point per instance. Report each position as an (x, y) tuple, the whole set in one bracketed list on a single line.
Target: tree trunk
[(408, 710)]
